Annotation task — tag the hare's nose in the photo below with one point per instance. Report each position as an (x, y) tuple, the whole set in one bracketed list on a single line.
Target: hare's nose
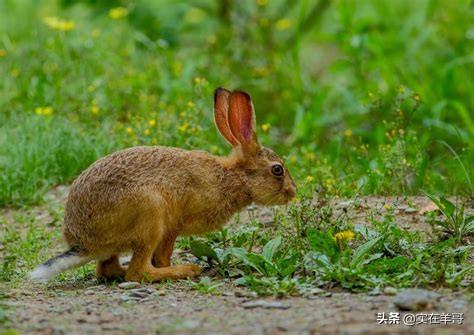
[(290, 192), (292, 181)]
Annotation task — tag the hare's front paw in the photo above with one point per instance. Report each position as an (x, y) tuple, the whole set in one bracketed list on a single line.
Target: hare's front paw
[(190, 270), (193, 269)]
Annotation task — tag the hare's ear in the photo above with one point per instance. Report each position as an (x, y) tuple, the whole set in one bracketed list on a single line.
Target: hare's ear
[(221, 114), (242, 122)]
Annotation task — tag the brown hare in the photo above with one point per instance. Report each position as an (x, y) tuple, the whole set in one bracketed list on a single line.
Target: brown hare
[(142, 198)]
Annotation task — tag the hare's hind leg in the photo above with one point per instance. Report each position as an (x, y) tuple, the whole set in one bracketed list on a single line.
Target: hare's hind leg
[(162, 253), (140, 268), (110, 269)]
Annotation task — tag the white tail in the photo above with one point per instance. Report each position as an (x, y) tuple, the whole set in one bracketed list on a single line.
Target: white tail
[(58, 264)]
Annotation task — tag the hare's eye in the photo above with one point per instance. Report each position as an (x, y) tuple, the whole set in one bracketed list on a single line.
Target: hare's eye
[(277, 170)]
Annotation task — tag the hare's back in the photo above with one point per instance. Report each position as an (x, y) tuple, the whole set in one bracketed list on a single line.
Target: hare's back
[(124, 174)]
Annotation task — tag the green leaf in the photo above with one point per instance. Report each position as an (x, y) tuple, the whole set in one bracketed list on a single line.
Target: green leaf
[(271, 248), (201, 250), (288, 265), (363, 250), (238, 253), (469, 225), (257, 262), (460, 275), (448, 207), (322, 242)]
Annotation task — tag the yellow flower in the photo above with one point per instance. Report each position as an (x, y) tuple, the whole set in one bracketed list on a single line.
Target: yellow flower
[(344, 236), (183, 127), (265, 127), (58, 24), (146, 132), (261, 71), (416, 96), (262, 2), (329, 183), (190, 104), (47, 111), (118, 13), (401, 89), (44, 111), (129, 130), (200, 81), (152, 123), (214, 149), (194, 15), (15, 73), (283, 24), (309, 179), (94, 109), (3, 53), (348, 132), (371, 95)]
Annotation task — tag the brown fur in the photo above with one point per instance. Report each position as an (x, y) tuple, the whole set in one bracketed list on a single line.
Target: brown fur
[(141, 199)]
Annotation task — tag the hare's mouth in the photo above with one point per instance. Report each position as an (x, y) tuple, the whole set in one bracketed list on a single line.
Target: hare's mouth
[(279, 198)]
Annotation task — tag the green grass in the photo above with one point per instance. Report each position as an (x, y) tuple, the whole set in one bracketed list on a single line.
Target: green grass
[(360, 97), (356, 98), (308, 245), (302, 251)]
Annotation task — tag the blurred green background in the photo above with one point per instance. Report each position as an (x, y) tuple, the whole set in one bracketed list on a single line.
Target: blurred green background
[(361, 97)]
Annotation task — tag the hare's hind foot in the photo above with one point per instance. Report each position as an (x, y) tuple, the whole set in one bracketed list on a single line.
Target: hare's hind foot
[(152, 274), (110, 269), (140, 269)]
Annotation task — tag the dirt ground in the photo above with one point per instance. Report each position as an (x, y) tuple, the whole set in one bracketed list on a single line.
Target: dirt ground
[(180, 311), (176, 308)]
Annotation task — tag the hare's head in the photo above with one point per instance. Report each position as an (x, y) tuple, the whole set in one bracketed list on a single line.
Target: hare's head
[(262, 170)]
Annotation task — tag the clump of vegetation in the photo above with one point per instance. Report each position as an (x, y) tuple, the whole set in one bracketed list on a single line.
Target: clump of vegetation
[(324, 251), (359, 101), (326, 79)]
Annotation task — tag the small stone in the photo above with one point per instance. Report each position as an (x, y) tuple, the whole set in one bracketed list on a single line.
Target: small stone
[(245, 294), (128, 285), (161, 292), (265, 304), (227, 294), (410, 210), (459, 304), (127, 298), (138, 294), (239, 294), (316, 291), (190, 324), (97, 287), (143, 290), (345, 204), (375, 291), (415, 299), (390, 290), (89, 292)]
